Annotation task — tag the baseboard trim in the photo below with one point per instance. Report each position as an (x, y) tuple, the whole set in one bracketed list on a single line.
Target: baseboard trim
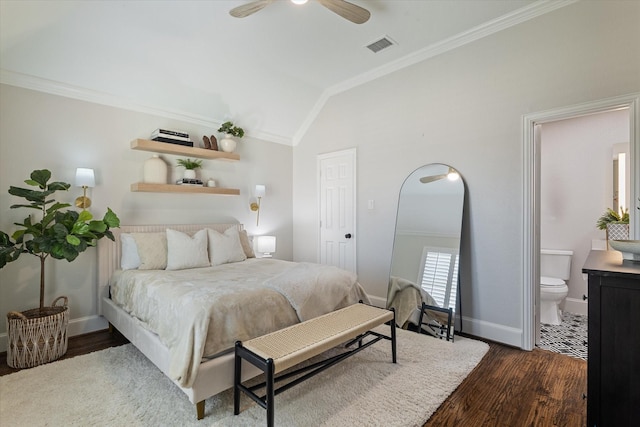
[(82, 325), (492, 331), (377, 301), (576, 306)]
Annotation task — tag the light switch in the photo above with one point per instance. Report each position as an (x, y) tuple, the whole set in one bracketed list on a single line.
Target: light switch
[(370, 204)]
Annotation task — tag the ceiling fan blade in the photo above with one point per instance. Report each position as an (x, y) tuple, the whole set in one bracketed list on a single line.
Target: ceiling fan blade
[(432, 178), (249, 8), (350, 11)]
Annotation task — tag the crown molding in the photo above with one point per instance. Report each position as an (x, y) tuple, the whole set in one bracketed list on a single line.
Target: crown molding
[(27, 81), (486, 29)]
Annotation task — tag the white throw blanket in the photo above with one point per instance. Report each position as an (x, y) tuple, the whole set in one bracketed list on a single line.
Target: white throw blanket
[(201, 312), (313, 289)]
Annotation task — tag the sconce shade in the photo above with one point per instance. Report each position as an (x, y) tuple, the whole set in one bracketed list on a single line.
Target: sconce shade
[(85, 178), (266, 245), (260, 190)]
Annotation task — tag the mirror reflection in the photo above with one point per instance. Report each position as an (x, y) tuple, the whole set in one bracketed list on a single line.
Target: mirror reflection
[(423, 282)]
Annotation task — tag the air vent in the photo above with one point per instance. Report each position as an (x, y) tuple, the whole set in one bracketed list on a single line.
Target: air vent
[(380, 44)]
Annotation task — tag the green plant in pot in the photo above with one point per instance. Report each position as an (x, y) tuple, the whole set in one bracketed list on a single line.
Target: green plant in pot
[(190, 167), (615, 224), (39, 335), (228, 144)]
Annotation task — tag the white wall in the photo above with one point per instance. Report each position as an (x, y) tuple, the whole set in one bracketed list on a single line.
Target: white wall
[(42, 131), (464, 108), (576, 186)]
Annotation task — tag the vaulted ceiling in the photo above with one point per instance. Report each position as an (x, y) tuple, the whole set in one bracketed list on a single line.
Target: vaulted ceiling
[(271, 72)]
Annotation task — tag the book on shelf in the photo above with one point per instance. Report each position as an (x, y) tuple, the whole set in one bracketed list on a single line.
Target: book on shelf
[(173, 141), (191, 182), (171, 132), (166, 135)]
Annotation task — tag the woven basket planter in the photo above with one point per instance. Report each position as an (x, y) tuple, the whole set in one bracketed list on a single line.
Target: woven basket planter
[(37, 336)]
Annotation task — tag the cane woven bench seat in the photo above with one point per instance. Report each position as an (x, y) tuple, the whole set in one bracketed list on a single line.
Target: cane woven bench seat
[(283, 349), (295, 344)]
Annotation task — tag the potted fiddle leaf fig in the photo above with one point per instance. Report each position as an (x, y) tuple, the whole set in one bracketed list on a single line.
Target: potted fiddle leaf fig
[(39, 335), (227, 143)]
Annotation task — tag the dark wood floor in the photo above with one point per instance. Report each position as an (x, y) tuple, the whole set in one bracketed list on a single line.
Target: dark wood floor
[(509, 387)]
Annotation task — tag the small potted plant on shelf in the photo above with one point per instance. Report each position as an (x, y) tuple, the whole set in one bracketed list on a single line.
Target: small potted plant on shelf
[(190, 167), (228, 144), (39, 335)]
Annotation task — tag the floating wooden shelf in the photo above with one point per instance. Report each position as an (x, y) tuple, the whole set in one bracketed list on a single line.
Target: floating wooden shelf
[(181, 150), (174, 188)]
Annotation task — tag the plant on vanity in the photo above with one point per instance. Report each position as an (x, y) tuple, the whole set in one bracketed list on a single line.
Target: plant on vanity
[(612, 217), (615, 224)]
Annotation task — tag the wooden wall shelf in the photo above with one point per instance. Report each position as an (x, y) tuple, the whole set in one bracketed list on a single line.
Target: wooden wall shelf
[(181, 150), (174, 188)]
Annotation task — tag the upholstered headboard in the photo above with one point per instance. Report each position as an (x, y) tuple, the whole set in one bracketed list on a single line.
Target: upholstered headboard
[(110, 252)]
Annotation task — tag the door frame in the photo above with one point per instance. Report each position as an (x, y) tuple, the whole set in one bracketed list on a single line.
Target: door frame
[(347, 152), (531, 194)]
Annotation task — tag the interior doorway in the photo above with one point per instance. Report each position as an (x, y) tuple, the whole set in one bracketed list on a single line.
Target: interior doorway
[(337, 182), (532, 208)]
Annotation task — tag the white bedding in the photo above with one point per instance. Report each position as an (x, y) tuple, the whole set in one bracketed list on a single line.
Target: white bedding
[(201, 312)]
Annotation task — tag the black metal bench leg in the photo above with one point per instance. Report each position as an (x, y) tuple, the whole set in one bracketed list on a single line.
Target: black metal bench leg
[(236, 381), (270, 396), (393, 336)]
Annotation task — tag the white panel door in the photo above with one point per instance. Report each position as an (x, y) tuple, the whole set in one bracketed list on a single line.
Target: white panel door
[(337, 209)]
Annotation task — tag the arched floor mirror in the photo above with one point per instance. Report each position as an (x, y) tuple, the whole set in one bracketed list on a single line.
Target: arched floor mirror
[(423, 282)]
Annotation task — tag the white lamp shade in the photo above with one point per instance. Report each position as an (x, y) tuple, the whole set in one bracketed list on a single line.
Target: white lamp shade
[(85, 177), (266, 244), (260, 190)]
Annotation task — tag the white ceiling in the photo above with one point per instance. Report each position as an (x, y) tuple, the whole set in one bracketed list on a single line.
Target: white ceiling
[(270, 72)]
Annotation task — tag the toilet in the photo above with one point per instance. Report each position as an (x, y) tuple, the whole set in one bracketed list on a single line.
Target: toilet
[(555, 269)]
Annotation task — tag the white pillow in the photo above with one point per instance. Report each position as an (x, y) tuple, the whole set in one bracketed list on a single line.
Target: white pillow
[(224, 248), (246, 244), (184, 251), (152, 249), (130, 260)]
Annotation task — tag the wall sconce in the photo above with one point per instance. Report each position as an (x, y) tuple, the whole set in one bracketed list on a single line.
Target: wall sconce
[(266, 245), (85, 179), (255, 206)]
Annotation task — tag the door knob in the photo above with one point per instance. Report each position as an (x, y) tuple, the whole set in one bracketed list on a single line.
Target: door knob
[(347, 236)]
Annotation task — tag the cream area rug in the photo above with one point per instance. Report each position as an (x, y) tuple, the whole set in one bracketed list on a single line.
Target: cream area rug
[(120, 387)]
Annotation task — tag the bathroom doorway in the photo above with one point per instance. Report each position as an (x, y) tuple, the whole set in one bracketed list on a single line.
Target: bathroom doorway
[(572, 198)]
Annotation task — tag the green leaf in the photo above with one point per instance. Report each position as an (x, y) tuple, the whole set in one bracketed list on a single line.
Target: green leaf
[(55, 186), (85, 216), (41, 177), (98, 226), (80, 228), (73, 240), (111, 219)]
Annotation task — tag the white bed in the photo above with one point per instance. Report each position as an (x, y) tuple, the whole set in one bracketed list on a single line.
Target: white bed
[(213, 375)]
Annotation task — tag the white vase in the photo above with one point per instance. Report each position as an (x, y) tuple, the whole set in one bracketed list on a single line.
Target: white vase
[(228, 144), (189, 174), (155, 170)]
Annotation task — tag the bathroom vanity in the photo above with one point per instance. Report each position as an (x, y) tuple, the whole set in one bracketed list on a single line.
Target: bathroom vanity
[(613, 367)]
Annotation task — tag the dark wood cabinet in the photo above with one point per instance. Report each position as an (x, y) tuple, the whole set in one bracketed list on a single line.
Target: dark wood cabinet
[(613, 366)]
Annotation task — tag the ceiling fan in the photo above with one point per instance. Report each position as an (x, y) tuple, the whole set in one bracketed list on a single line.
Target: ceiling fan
[(349, 11), (451, 175)]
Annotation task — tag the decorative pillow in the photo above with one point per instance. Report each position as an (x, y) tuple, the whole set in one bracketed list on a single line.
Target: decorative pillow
[(130, 260), (152, 250), (246, 244), (184, 251), (224, 248)]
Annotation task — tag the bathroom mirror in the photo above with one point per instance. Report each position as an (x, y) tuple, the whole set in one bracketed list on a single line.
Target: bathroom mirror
[(426, 247)]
